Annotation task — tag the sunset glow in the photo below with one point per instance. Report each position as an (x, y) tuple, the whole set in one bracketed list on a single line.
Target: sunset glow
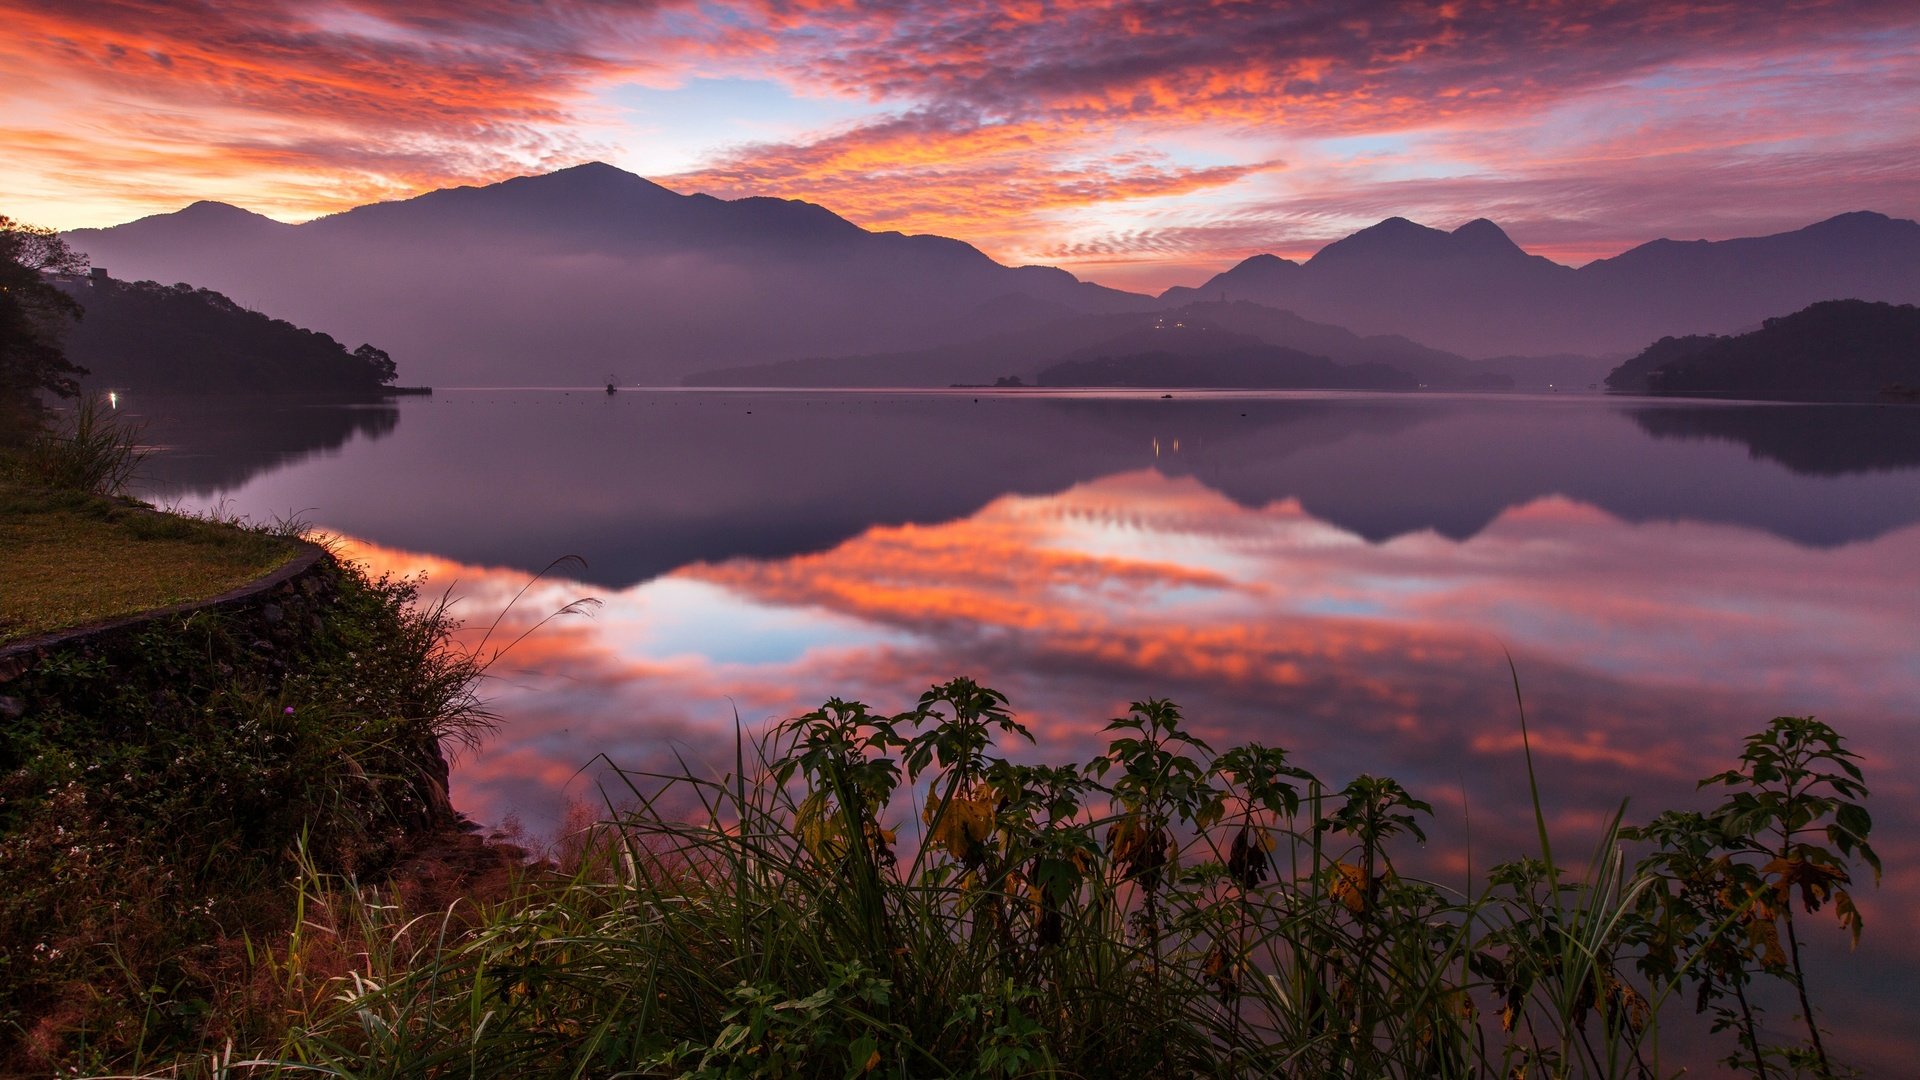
[(1112, 538), (1344, 576), (1138, 144), (1635, 644)]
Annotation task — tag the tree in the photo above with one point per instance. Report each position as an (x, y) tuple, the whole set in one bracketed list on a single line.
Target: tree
[(378, 363), (34, 314)]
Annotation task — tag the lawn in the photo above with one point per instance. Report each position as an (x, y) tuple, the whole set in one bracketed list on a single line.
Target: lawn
[(68, 560)]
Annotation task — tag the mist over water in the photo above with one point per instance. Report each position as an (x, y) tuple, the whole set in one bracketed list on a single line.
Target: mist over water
[(1334, 573)]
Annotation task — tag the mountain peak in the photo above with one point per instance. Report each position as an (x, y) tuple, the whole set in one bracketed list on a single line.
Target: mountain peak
[(1483, 235), (587, 176), (1265, 263), (591, 167), (1257, 273), (210, 210), (204, 214), (1859, 222), (1854, 217), (1396, 237)]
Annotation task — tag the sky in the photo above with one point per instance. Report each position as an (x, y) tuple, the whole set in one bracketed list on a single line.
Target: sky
[(1140, 144)]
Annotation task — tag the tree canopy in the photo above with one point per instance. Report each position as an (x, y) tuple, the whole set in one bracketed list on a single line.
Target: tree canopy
[(180, 339), (34, 315), (1835, 350)]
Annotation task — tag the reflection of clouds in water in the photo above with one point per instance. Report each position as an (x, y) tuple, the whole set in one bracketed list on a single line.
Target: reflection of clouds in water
[(1645, 652), (1642, 647)]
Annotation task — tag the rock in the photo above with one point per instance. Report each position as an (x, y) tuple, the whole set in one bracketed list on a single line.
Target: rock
[(12, 708), (273, 613)]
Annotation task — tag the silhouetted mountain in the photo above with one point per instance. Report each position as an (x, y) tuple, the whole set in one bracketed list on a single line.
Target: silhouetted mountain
[(1691, 287), (1837, 350), (178, 339), (1433, 367), (1474, 291), (1025, 352), (200, 222), (1560, 371), (1179, 354), (1471, 290), (566, 276)]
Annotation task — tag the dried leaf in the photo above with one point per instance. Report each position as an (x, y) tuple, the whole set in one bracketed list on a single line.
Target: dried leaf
[(1350, 886)]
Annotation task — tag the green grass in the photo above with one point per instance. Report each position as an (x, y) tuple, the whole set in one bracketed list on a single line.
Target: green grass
[(73, 553), (68, 559)]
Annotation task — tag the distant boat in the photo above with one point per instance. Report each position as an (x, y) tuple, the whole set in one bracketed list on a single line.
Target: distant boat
[(611, 384)]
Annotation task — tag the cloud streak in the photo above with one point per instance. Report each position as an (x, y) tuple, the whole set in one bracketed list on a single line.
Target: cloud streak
[(1116, 135)]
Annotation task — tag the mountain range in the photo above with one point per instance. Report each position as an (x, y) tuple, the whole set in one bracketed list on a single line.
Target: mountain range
[(572, 275), (1026, 351), (1474, 291)]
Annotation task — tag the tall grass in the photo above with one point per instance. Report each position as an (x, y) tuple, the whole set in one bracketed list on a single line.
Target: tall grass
[(93, 452), (1164, 910)]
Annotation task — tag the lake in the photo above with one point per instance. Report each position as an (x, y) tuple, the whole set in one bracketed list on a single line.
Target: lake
[(1344, 575)]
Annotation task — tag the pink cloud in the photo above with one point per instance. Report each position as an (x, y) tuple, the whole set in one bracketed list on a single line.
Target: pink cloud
[(1116, 136)]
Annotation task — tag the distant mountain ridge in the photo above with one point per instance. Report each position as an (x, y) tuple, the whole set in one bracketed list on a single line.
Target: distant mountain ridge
[(1182, 354), (1026, 350), (567, 276), (1474, 291)]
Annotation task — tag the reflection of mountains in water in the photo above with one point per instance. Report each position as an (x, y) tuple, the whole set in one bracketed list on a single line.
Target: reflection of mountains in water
[(203, 446), (641, 484), (1455, 468), (1816, 440)]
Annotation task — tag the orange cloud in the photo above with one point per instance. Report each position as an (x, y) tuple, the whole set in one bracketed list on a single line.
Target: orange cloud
[(1080, 130)]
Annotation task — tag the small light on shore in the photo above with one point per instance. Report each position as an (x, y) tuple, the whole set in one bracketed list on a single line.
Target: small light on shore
[(113, 399)]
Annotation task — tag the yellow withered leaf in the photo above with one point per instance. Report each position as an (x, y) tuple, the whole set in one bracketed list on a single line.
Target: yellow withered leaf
[(965, 824), (1350, 887), (1764, 935), (1815, 880), (1848, 914)]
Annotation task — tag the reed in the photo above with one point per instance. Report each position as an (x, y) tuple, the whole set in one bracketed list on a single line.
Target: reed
[(94, 452)]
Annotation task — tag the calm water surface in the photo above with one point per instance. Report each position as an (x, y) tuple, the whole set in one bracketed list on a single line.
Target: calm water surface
[(1337, 574)]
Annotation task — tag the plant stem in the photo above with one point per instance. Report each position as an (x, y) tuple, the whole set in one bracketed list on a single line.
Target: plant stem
[(1752, 1030), (1800, 987)]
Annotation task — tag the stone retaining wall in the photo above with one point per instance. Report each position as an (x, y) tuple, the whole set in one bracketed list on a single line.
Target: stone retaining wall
[(298, 584), (272, 617)]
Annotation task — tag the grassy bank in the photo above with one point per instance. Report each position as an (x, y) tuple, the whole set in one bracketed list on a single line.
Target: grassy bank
[(164, 784), (69, 558), (73, 553)]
